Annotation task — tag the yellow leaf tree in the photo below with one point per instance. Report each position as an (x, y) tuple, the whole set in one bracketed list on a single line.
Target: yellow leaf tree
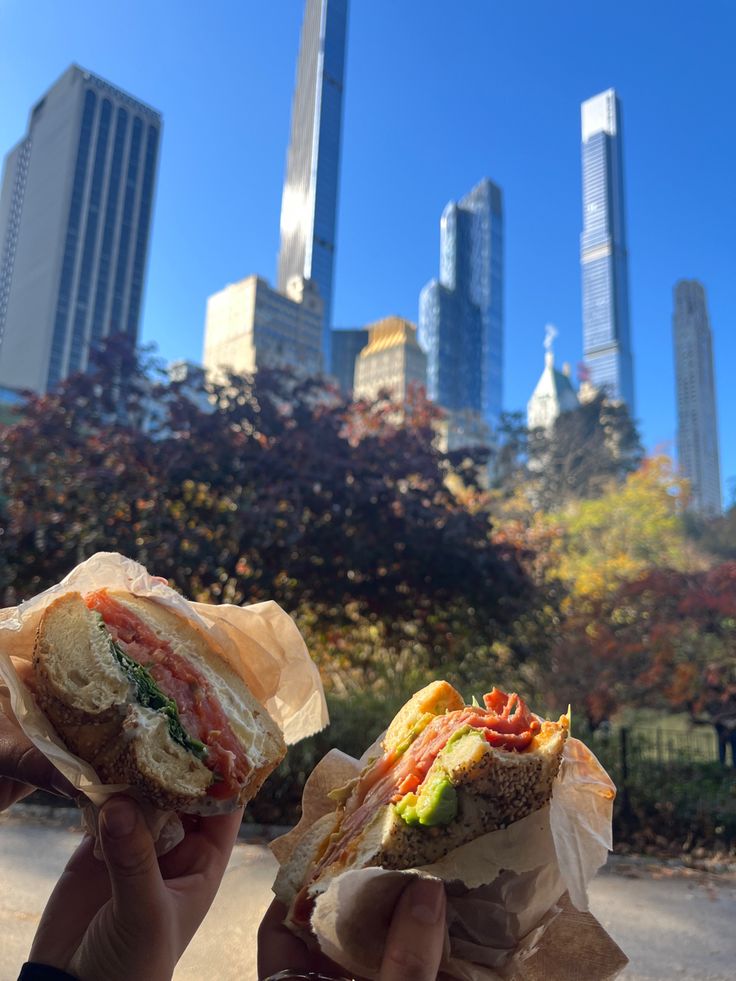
[(617, 537)]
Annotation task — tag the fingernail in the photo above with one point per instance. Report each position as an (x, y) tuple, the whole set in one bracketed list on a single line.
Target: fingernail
[(427, 900), (118, 818)]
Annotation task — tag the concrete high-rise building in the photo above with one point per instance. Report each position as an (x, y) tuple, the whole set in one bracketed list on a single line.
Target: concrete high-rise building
[(697, 422), (250, 325), (461, 314), (309, 202), (603, 251), (392, 361), (75, 215), (347, 343)]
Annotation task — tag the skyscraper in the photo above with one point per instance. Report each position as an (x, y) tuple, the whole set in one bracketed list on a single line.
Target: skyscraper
[(461, 314), (347, 343), (697, 426), (250, 325), (391, 361), (603, 253), (75, 215), (309, 202)]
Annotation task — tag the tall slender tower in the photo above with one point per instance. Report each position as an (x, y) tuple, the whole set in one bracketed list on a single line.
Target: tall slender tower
[(603, 253), (697, 426), (461, 315), (75, 213), (309, 201)]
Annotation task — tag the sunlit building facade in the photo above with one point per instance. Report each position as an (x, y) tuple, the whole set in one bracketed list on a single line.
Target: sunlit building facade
[(461, 314), (75, 215), (553, 395), (249, 325), (697, 422), (309, 201), (391, 361), (603, 251)]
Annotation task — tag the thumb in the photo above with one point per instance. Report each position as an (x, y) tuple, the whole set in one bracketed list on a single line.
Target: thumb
[(132, 865)]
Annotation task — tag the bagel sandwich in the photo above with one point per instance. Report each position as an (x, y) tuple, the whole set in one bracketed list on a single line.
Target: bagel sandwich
[(145, 697), (444, 774)]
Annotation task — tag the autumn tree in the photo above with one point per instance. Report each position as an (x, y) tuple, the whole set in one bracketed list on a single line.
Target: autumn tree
[(646, 644), (602, 542), (263, 487)]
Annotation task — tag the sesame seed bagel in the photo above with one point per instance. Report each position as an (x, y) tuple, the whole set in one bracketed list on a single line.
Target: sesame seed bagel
[(492, 787), (95, 705)]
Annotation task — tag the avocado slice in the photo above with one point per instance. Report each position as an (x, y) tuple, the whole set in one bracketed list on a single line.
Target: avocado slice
[(435, 802), (407, 809)]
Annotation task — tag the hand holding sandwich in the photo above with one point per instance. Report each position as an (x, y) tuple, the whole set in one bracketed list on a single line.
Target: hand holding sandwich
[(133, 915), (23, 768), (413, 948)]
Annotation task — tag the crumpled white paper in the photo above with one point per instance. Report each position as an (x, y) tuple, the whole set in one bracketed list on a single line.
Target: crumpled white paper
[(505, 889), (260, 642)]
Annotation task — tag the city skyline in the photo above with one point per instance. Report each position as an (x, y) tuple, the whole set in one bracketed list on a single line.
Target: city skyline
[(75, 214), (222, 168), (603, 251), (312, 178)]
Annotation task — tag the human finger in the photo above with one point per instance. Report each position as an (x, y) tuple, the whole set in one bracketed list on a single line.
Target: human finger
[(278, 948), (130, 857), (416, 937), (83, 888), (22, 762), (205, 848)]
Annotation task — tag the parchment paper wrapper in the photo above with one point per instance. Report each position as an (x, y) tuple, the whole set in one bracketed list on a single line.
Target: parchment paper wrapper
[(517, 898), (260, 642)]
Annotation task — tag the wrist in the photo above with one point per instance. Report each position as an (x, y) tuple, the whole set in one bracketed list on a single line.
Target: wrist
[(33, 971)]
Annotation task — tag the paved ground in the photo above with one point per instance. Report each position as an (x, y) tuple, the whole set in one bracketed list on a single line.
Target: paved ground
[(672, 923)]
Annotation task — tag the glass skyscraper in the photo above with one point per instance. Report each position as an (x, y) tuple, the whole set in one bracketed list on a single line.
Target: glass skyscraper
[(461, 314), (603, 253), (309, 202), (697, 426), (75, 214)]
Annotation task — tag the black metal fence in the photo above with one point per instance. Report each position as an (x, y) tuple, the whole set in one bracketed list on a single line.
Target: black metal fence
[(671, 786), (626, 748)]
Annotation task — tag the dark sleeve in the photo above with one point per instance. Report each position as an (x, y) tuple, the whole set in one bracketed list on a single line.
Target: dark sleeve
[(42, 972)]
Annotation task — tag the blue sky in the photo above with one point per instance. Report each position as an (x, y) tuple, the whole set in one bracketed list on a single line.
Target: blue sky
[(439, 93)]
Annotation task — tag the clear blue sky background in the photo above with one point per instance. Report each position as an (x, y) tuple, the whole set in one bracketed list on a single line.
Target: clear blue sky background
[(439, 93)]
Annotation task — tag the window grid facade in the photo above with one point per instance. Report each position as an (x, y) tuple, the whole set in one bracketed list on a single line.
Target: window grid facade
[(11, 236), (87, 191), (309, 202), (697, 424), (249, 325), (461, 315), (603, 251)]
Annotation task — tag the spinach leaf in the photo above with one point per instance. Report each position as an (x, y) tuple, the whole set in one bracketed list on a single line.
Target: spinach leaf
[(149, 694)]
